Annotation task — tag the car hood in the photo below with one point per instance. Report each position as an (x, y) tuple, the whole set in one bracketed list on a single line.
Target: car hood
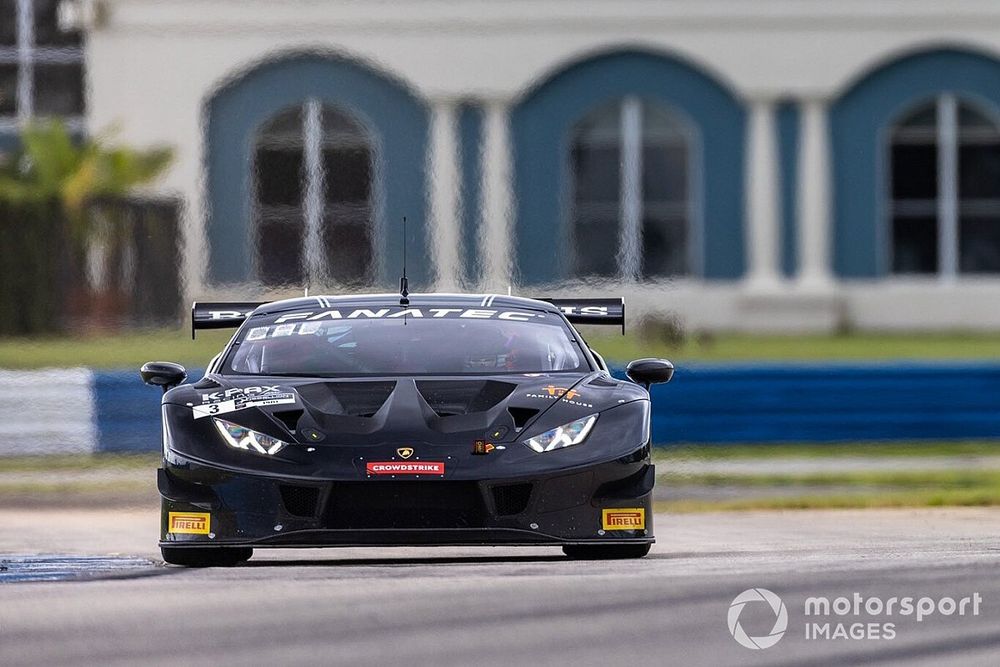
[(435, 410)]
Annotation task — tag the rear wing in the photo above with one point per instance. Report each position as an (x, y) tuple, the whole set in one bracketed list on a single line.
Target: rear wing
[(592, 311), (231, 314), (220, 315)]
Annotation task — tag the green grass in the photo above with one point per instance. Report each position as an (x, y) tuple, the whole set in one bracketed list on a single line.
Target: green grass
[(77, 480), (841, 489), (896, 479), (854, 347), (915, 448), (78, 462), (69, 489), (916, 498), (129, 350)]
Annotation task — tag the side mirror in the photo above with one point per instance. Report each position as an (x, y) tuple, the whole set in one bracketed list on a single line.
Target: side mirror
[(163, 374), (649, 371)]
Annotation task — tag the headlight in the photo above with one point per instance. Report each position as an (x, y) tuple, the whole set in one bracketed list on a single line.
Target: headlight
[(240, 437), (566, 435)]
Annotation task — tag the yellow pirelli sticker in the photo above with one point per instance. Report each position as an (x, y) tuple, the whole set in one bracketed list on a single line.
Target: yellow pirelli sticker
[(190, 523), (628, 518)]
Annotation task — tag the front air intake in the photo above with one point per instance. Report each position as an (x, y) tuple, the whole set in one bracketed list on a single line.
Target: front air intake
[(299, 500), (405, 505), (511, 499)]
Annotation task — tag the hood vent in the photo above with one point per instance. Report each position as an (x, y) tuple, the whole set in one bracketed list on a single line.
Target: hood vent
[(460, 397), (353, 399), (290, 418), (521, 416)]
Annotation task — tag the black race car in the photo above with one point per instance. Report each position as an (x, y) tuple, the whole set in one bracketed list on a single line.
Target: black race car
[(386, 421)]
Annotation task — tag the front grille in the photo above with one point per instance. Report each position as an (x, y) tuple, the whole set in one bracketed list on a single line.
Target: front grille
[(511, 499), (389, 505), (299, 500)]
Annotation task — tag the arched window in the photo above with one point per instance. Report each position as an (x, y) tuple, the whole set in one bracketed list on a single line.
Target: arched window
[(630, 215), (313, 171), (945, 186)]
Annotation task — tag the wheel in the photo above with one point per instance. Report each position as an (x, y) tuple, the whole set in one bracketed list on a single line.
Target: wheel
[(606, 551), (206, 556)]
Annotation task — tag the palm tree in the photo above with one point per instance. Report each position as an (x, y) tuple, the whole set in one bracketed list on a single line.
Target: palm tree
[(54, 222), (51, 164)]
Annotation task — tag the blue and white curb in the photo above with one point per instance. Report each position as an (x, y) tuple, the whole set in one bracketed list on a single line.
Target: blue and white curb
[(78, 411), (19, 569), (47, 412)]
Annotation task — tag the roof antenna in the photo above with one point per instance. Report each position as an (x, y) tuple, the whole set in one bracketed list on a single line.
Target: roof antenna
[(404, 286)]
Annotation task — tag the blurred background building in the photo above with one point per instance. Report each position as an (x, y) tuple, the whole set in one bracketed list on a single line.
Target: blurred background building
[(769, 165)]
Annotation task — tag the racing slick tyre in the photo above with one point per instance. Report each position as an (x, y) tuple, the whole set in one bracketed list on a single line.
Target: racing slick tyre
[(206, 557), (605, 551)]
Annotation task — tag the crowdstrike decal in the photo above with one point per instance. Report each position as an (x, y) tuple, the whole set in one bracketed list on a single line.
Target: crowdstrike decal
[(401, 468)]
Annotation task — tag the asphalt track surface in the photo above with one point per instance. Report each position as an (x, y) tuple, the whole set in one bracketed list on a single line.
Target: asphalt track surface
[(501, 606)]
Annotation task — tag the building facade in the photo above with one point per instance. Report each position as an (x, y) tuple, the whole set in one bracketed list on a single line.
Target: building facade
[(41, 67), (778, 164)]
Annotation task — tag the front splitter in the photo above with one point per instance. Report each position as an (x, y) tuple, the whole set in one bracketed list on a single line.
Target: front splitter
[(447, 537)]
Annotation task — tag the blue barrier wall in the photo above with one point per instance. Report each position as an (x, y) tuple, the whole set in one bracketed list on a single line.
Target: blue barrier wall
[(718, 404), (128, 411), (824, 403)]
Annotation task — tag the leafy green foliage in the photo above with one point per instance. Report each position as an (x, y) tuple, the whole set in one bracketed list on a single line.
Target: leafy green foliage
[(52, 165), (47, 189)]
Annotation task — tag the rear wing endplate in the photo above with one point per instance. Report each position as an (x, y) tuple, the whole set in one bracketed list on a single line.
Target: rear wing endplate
[(592, 311), (220, 314)]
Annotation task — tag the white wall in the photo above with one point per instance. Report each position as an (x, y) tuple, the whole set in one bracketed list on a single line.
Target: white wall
[(151, 65)]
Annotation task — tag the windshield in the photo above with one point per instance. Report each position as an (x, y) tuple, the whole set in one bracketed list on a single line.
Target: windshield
[(412, 341)]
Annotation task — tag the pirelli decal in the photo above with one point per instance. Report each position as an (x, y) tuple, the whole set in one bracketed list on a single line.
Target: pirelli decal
[(624, 519), (189, 523)]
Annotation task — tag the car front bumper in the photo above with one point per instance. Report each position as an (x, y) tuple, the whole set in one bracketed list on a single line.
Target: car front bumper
[(604, 503)]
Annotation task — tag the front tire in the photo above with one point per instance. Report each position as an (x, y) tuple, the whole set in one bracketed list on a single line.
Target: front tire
[(606, 551), (206, 556)]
